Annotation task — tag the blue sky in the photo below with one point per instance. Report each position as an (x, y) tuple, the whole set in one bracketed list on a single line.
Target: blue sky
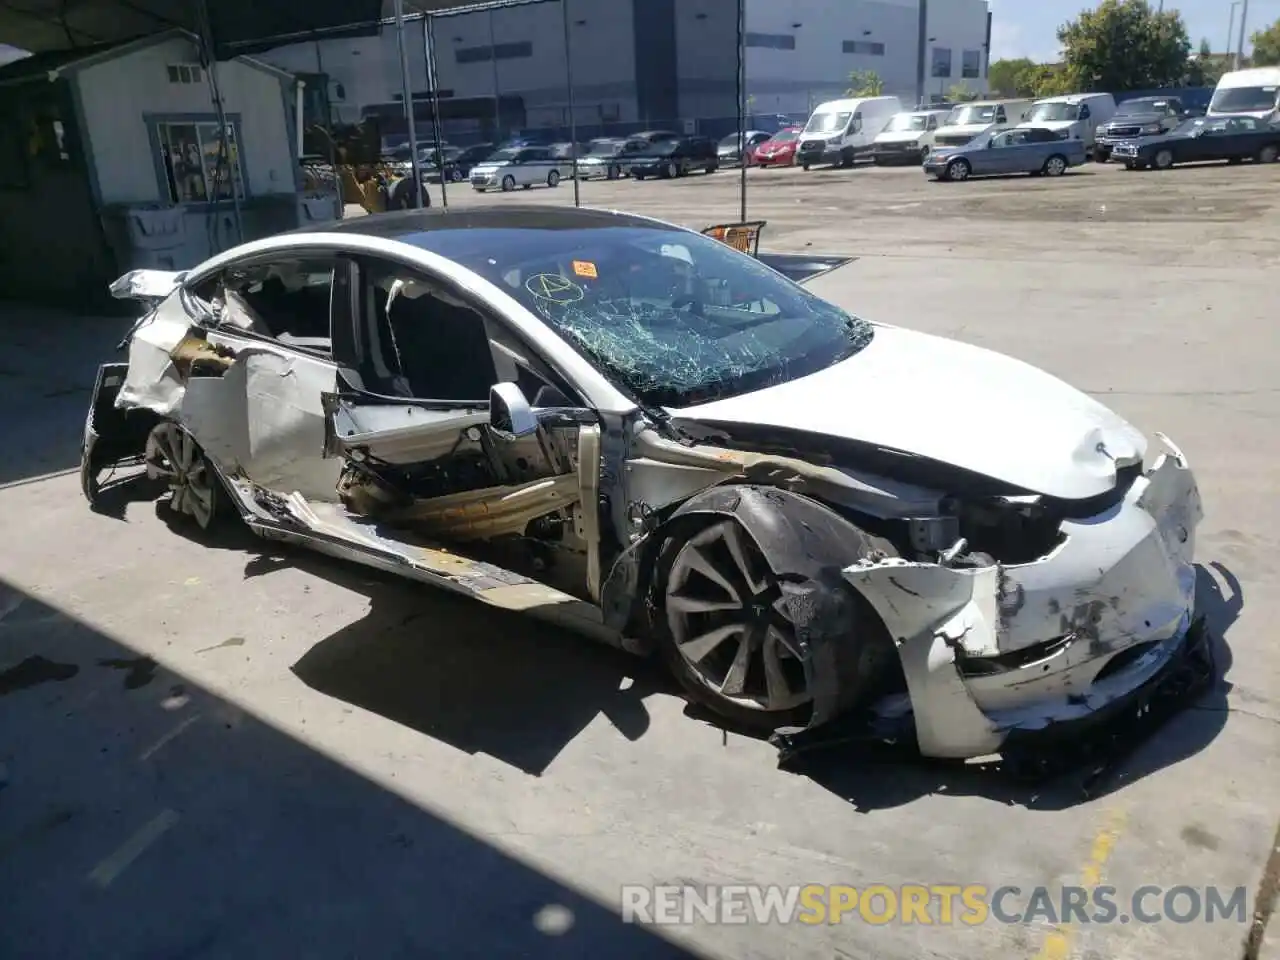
[(1028, 28)]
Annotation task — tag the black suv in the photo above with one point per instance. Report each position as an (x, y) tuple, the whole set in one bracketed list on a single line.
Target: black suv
[(1135, 119), (675, 158)]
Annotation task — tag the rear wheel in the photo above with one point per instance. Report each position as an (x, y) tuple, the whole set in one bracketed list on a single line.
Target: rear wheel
[(1268, 154), (195, 491), (805, 166), (1055, 166)]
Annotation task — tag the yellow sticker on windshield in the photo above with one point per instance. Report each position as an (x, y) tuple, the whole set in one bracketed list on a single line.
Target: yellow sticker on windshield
[(585, 268)]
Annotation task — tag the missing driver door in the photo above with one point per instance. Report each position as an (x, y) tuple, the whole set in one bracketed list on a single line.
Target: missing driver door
[(412, 431)]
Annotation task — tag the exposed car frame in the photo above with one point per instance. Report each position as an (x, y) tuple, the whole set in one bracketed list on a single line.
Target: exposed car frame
[(851, 557)]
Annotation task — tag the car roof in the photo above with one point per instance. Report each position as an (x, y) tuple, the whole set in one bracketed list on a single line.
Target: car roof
[(402, 224)]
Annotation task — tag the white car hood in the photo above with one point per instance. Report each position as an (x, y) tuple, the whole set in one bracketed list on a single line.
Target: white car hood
[(972, 129), (1055, 125), (488, 168), (954, 403), (900, 136)]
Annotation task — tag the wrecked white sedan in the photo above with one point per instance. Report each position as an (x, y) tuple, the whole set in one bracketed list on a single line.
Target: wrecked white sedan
[(627, 426)]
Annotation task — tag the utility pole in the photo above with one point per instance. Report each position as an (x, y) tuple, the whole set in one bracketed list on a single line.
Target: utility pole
[(1244, 19)]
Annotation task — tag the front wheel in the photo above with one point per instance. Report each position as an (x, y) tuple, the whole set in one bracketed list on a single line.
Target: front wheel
[(729, 640), (670, 171), (958, 170), (924, 154), (508, 183), (455, 175), (614, 172), (172, 455), (1055, 166), (553, 178), (1163, 159), (805, 166)]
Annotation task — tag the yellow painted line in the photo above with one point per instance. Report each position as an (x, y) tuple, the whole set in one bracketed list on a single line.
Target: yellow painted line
[(104, 873), (171, 735), (1059, 941)]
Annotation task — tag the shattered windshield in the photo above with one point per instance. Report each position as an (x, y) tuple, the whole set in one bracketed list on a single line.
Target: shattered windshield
[(971, 114), (675, 318), (828, 122)]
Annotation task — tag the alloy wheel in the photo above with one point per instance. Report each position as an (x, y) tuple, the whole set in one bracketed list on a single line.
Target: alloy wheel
[(728, 619), (173, 456)]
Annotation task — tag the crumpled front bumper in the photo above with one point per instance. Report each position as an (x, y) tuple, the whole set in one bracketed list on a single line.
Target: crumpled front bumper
[(999, 649)]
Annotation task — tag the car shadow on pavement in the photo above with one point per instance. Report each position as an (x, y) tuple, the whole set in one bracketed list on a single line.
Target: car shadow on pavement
[(882, 777), (480, 679), (153, 818)]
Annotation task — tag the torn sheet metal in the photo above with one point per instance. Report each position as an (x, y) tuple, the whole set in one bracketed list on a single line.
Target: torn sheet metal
[(148, 286), (1095, 619)]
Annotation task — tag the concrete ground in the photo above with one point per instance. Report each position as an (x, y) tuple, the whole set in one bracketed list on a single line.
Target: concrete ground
[(224, 750)]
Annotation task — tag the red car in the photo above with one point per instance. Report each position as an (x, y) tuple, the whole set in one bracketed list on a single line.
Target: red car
[(777, 151)]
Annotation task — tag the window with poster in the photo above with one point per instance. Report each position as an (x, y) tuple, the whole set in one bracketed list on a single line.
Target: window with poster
[(199, 159)]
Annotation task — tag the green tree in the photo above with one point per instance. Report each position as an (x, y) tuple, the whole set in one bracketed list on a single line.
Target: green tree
[(1006, 77), (1266, 46), (1124, 45), (864, 83), (962, 93), (1203, 69)]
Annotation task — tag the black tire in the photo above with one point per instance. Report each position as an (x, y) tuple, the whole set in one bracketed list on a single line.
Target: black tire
[(508, 183), (1268, 154), (553, 179), (875, 655), (805, 166), (711, 168), (669, 171), (1055, 166), (1163, 160), (847, 158), (637, 176), (1234, 161), (958, 169), (614, 173), (1130, 165), (1101, 156)]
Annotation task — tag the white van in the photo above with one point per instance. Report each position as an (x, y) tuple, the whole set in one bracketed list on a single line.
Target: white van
[(968, 120), (1253, 92), (1075, 116), (909, 137), (840, 131)]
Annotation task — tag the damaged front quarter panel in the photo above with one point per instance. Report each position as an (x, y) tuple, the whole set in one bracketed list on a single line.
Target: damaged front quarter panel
[(990, 650)]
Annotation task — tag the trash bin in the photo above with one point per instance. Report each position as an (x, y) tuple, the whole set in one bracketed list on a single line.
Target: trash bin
[(149, 237)]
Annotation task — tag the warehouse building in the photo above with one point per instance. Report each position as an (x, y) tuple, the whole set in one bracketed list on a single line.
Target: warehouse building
[(648, 63)]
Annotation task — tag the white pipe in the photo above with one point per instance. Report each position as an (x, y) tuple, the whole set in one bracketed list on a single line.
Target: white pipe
[(297, 119)]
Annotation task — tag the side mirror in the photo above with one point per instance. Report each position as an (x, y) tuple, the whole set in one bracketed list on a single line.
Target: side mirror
[(510, 413)]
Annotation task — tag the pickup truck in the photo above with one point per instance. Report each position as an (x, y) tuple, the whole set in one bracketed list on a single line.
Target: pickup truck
[(1034, 150)]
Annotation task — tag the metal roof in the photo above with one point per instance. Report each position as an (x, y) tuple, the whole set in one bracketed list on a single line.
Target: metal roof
[(237, 26)]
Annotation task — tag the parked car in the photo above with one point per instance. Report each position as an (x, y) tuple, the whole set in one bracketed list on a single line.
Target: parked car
[(779, 150), (601, 158), (967, 121), (1138, 118), (676, 158), (1034, 150), (731, 150), (472, 155), (656, 136), (840, 131), (1075, 116), (519, 167), (908, 138), (1231, 138), (678, 460)]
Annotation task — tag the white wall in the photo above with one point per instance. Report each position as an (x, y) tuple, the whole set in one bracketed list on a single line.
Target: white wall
[(818, 67), (958, 25), (118, 93)]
